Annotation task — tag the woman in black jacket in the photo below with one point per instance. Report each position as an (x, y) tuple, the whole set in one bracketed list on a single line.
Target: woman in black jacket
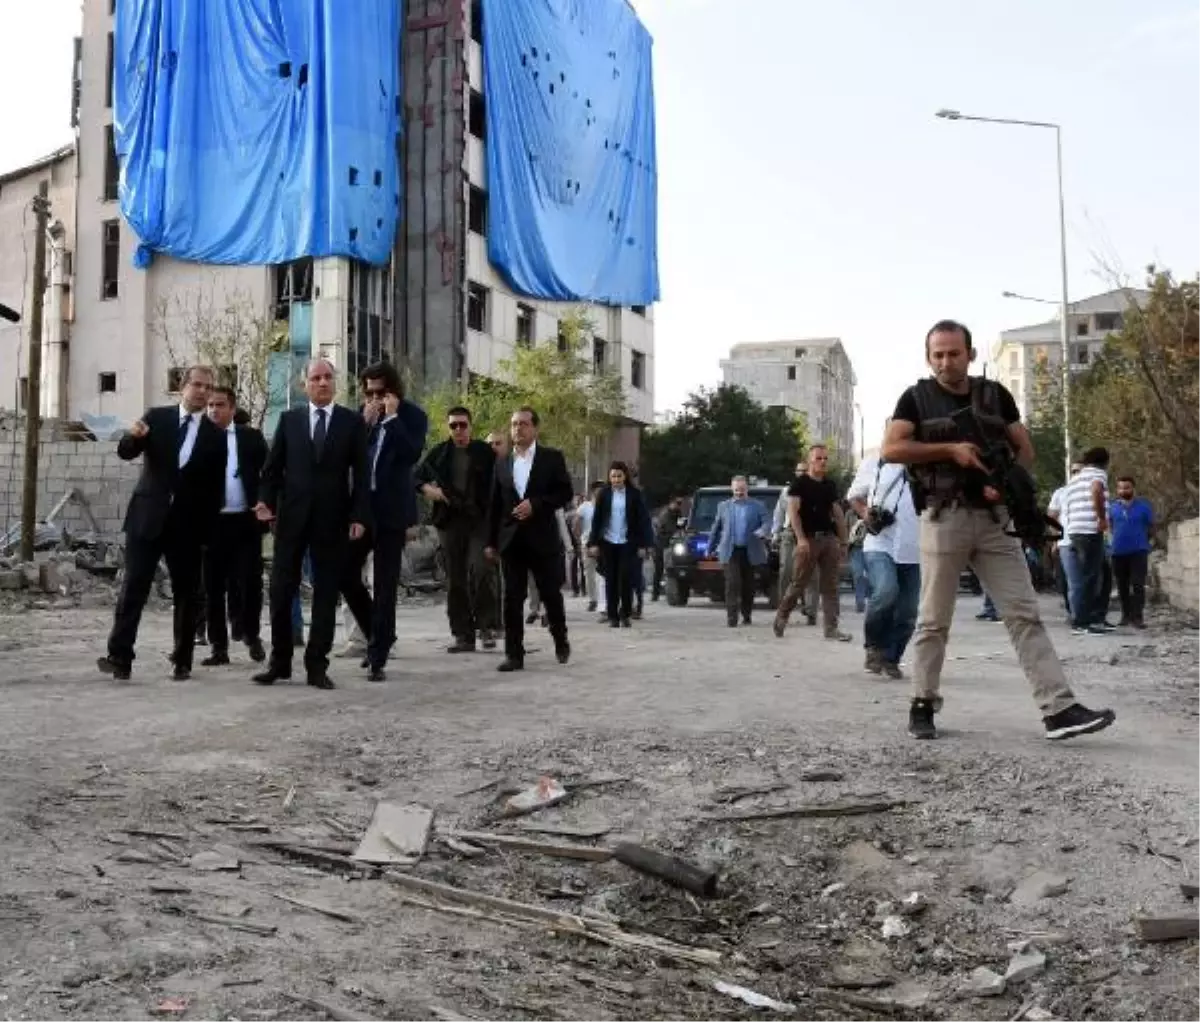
[(621, 530)]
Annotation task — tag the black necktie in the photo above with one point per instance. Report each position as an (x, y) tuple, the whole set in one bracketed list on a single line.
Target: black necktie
[(318, 438), (183, 430)]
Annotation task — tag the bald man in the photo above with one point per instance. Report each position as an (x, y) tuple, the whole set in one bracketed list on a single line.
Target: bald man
[(316, 493)]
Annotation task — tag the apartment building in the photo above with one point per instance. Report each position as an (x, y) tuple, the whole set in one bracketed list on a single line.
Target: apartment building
[(813, 378), (438, 308), (1018, 353)]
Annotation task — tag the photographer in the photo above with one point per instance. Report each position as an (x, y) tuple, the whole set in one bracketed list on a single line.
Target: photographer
[(880, 495), (964, 517)]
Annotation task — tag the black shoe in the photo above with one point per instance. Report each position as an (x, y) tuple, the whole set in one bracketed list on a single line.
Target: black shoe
[(613, 623), (120, 672), (365, 663), (1096, 630), (201, 638), (530, 618), (626, 623), (591, 606), (463, 646), (1140, 625), (236, 635), (1076, 719), (321, 680), (731, 621), (374, 674), (562, 650), (488, 638), (654, 598), (987, 615), (811, 619), (745, 619), (272, 675), (257, 653), (510, 664), (217, 658), (893, 671), (920, 719), (637, 612), (181, 673)]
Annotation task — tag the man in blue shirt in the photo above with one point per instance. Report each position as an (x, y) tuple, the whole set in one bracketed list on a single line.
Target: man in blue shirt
[(1131, 519), (737, 540)]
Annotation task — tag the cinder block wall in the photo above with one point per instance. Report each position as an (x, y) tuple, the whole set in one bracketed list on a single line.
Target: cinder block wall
[(1179, 573)]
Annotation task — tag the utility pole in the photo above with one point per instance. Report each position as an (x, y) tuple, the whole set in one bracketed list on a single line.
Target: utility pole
[(33, 401)]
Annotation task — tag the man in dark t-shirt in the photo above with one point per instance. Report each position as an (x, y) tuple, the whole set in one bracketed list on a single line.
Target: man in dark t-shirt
[(963, 521), (820, 527)]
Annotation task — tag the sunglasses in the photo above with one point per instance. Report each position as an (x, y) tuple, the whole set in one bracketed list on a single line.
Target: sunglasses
[(458, 427)]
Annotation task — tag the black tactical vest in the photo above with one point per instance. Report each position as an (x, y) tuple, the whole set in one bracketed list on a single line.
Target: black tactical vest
[(938, 484)]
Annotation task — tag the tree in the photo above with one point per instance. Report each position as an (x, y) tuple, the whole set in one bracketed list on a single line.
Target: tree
[(719, 434), (575, 399), (234, 337)]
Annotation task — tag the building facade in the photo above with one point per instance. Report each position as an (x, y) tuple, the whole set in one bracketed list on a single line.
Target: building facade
[(438, 309), (1020, 356), (813, 378)]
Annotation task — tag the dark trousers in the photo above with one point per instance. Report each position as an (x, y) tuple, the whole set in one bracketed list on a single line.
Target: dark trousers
[(739, 585), (618, 560), (1092, 603), (181, 548), (1130, 571), (659, 571), (375, 613), (576, 572), (519, 563), (328, 565), (469, 592), (233, 563)]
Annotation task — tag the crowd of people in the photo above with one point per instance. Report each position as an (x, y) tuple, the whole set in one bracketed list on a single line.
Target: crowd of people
[(338, 489)]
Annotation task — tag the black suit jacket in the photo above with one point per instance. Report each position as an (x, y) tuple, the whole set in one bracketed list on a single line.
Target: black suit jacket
[(251, 457), (317, 498), (437, 468), (191, 496), (394, 499), (549, 490), (639, 530)]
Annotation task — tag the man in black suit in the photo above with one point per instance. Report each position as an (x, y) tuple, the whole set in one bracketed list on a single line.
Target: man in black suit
[(169, 516), (315, 489), (233, 557), (456, 476), (531, 485), (396, 438)]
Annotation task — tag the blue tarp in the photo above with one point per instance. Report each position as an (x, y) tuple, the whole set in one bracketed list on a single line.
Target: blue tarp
[(258, 131), (572, 172)]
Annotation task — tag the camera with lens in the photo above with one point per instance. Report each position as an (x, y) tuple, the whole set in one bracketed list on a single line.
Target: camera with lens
[(879, 519)]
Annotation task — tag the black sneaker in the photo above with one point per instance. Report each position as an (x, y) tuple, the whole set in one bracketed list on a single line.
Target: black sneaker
[(1096, 630), (873, 661), (920, 719), (1076, 719), (893, 671)]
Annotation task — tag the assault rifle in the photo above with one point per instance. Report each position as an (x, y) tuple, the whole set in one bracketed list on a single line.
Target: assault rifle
[(1015, 486)]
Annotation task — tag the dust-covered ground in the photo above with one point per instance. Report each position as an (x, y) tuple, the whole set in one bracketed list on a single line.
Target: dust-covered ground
[(674, 717)]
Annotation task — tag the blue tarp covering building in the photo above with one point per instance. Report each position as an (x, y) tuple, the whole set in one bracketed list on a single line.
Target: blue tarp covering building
[(572, 171), (258, 131)]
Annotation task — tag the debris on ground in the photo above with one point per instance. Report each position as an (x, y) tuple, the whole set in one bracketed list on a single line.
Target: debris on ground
[(751, 997), (547, 792)]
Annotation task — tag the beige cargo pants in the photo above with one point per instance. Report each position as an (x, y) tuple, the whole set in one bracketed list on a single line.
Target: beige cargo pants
[(960, 536)]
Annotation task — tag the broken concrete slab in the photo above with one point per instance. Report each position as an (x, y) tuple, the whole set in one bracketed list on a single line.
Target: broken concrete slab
[(983, 983), (913, 904), (1025, 966), (397, 834), (862, 857), (217, 859)]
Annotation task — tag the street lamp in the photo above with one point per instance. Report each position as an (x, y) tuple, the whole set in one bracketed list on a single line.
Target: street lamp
[(1027, 298), (1064, 335)]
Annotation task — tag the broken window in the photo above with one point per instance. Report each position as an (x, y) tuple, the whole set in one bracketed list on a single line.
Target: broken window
[(1107, 322), (599, 354), (477, 307), (108, 383), (525, 314), (293, 283)]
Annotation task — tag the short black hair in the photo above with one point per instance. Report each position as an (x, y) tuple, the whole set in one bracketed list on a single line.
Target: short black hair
[(533, 416), (1097, 457), (947, 326), (221, 388), (386, 372), (459, 410), (1127, 479), (620, 466), (241, 417)]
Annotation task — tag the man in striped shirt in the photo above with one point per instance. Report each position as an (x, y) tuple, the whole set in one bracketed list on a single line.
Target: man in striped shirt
[(1086, 503)]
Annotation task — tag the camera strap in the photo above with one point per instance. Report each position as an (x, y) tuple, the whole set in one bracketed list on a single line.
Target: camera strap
[(882, 501)]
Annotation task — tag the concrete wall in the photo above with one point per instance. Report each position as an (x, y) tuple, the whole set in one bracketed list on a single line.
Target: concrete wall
[(1179, 572), (93, 467)]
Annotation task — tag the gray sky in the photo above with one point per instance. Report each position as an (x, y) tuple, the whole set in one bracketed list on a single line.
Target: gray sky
[(805, 188)]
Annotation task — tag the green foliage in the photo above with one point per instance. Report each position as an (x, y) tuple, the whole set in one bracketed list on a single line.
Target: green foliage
[(573, 400), (719, 434)]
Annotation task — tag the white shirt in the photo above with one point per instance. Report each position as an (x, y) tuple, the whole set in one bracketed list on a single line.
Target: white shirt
[(617, 529), (189, 441), (901, 541), (780, 519), (584, 515), (312, 418), (235, 491), (1080, 510), (522, 465), (1058, 502)]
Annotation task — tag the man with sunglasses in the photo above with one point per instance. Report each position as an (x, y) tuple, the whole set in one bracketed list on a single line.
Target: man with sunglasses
[(396, 430), (456, 477)]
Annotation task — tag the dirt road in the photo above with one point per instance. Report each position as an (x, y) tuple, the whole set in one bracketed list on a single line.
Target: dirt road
[(97, 920)]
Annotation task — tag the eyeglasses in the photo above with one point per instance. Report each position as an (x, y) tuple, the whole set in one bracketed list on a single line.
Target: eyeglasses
[(459, 426)]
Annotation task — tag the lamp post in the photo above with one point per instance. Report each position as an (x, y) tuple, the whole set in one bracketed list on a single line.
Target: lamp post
[(1064, 327)]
